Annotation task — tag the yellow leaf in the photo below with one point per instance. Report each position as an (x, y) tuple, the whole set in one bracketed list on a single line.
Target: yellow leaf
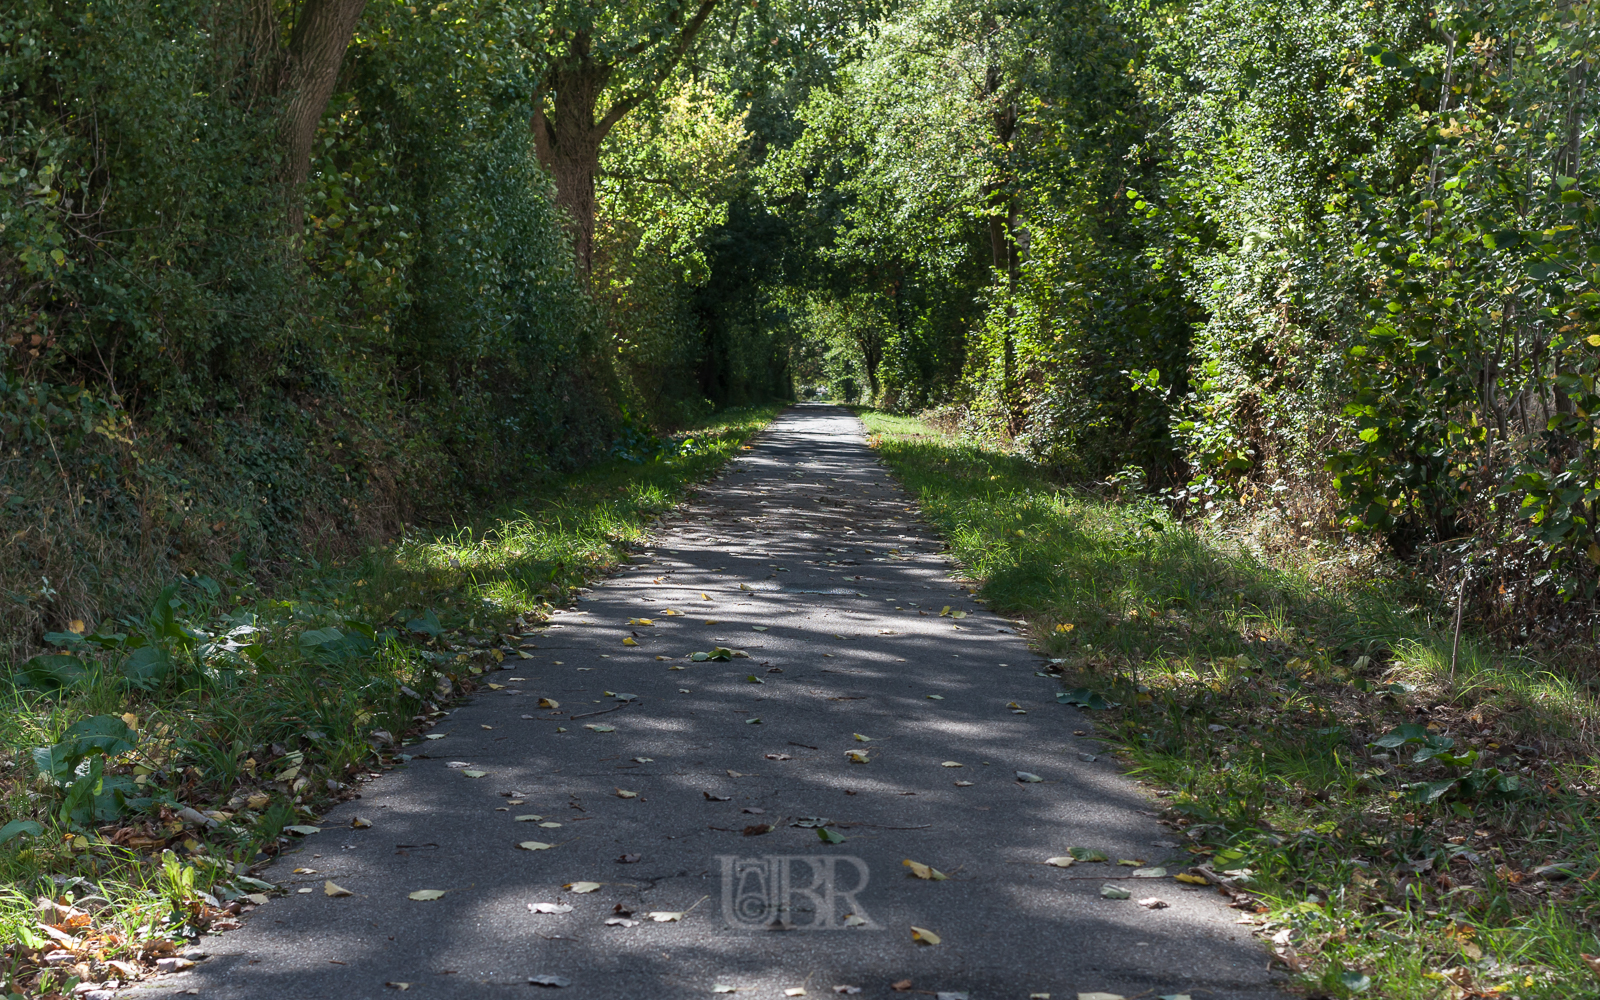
[(944, 611), (77, 626), (856, 756), (628, 641), (644, 621), (1192, 879), (958, 614), (705, 597), (357, 823), (1593, 340), (921, 935), (1065, 627), (328, 888), (862, 739), (549, 703), (924, 871)]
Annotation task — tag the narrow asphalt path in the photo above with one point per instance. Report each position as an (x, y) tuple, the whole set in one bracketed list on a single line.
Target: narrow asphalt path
[(806, 556)]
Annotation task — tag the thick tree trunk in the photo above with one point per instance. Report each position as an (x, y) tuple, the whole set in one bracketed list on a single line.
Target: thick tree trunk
[(567, 141), (322, 32)]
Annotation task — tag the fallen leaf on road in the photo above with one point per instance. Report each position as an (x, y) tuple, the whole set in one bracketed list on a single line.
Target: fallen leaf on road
[(599, 728), (474, 774), (857, 756), (1192, 879), (581, 886), (705, 597), (951, 996), (753, 679), (715, 798), (304, 830), (556, 981), (951, 763), (924, 871), (1064, 862), (921, 935), (752, 722), (1154, 903), (435, 736), (629, 641), (646, 621), (1028, 777), (530, 818), (357, 823), (621, 922), (549, 703), (847, 989), (1130, 864), (903, 986), (1114, 892), (1149, 873), (398, 986), (669, 611), (329, 889), (862, 739), (854, 920), (1100, 996), (963, 784), (721, 988), (936, 697), (757, 829), (758, 628), (629, 859), (426, 894), (795, 991), (778, 756), (624, 794), (828, 836), (550, 825), (1087, 854), (667, 916), (644, 760), (549, 908), (535, 845)]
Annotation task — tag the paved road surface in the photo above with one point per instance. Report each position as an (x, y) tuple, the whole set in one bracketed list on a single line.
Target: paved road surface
[(841, 623)]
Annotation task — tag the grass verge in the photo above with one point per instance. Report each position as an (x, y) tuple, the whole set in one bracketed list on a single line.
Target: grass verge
[(1400, 820), (151, 762)]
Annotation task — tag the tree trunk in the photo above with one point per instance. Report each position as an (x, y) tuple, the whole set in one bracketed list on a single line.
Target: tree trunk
[(310, 69), (567, 142)]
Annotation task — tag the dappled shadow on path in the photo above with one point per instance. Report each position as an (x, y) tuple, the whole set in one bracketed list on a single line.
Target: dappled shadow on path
[(808, 558)]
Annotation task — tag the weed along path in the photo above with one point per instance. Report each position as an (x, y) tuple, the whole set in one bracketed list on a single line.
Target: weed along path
[(865, 793)]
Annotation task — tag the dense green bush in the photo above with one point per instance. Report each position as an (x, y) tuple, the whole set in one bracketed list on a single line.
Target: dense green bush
[(188, 377)]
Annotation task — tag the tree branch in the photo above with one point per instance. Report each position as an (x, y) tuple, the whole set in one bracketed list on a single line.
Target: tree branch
[(686, 38)]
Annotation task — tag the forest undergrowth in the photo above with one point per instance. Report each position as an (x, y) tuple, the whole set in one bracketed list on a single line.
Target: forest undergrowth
[(1399, 814), (149, 767)]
